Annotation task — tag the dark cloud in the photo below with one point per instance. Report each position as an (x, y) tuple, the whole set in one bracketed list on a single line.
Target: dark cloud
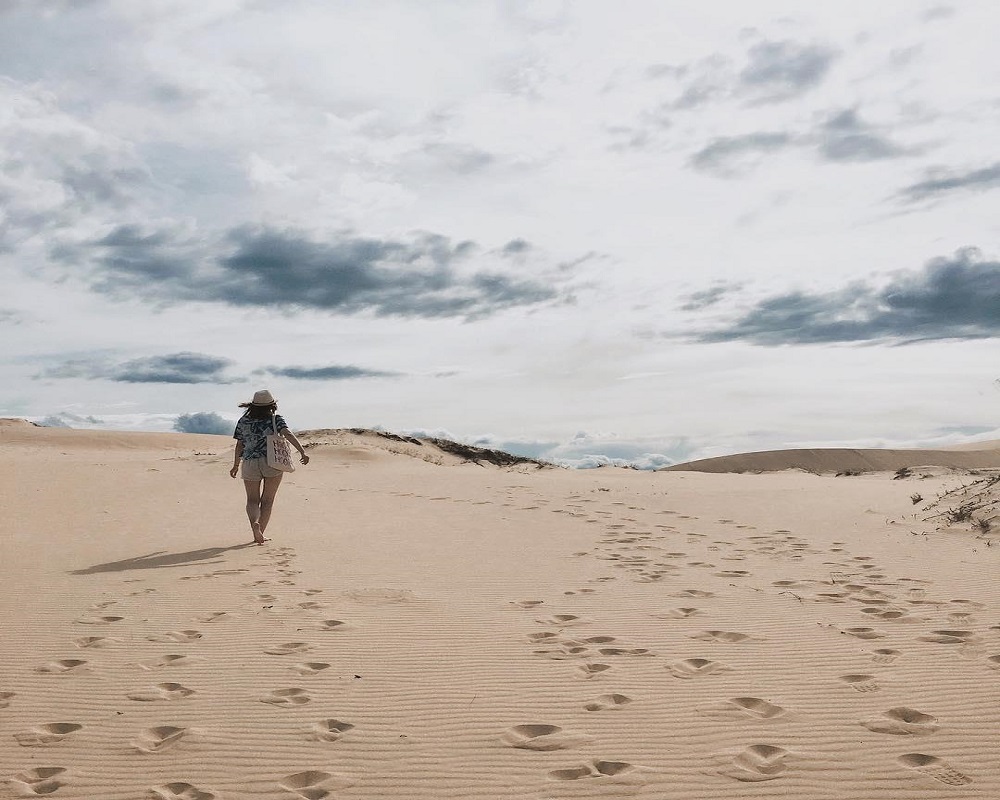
[(844, 137), (516, 247), (728, 155), (266, 268), (708, 297), (332, 373), (950, 298), (10, 316), (977, 180), (174, 368), (204, 422), (781, 70)]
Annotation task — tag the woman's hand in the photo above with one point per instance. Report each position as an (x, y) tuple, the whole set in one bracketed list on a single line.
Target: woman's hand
[(234, 470), (303, 458)]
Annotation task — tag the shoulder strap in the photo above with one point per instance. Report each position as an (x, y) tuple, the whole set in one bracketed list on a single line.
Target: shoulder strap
[(274, 424)]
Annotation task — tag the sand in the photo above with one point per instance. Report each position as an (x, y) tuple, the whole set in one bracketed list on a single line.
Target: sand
[(424, 628)]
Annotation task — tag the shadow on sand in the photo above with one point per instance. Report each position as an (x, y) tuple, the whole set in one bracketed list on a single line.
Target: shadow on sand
[(161, 558)]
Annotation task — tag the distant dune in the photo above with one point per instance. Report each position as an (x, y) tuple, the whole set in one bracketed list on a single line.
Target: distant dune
[(359, 442), (837, 459)]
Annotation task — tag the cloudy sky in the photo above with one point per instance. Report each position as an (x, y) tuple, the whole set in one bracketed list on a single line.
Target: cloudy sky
[(649, 230)]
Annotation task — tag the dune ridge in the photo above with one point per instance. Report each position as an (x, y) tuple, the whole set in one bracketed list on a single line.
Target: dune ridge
[(424, 628), (836, 459)]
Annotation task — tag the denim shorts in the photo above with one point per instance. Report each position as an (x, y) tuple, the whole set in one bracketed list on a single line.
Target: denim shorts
[(256, 469)]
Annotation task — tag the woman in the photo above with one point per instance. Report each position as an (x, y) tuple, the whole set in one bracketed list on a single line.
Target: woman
[(260, 419)]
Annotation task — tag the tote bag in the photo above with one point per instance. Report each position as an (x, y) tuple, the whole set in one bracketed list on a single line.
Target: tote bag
[(279, 453)]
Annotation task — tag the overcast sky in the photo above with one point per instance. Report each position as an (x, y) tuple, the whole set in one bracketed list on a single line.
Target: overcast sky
[(650, 230)]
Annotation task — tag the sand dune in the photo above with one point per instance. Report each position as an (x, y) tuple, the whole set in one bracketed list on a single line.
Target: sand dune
[(428, 627), (822, 460)]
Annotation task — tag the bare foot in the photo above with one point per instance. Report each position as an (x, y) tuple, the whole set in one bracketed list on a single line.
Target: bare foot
[(258, 534)]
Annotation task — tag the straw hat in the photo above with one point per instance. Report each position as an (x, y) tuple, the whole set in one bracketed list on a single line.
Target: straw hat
[(262, 398)]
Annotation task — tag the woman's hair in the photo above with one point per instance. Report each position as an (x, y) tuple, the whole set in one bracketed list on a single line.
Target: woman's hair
[(259, 412)]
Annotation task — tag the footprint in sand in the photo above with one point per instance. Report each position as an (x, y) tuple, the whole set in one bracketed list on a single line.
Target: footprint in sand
[(885, 655), (935, 768), (948, 637), (561, 620), (593, 769), (169, 660), (176, 636), (99, 620), (62, 667), (288, 648), (309, 592), (728, 637), (863, 633), (541, 737), (332, 625), (95, 641), (180, 791), (588, 671), (678, 613), (5, 698), (732, 573), (607, 702), (155, 740), (47, 734), (862, 683), (689, 668), (309, 668), (527, 603), (902, 721), (543, 636), (624, 651), (312, 605), (162, 691), (993, 662), (888, 614), (314, 784), (286, 698), (41, 780), (742, 708), (694, 593), (759, 762), (212, 616), (329, 730)]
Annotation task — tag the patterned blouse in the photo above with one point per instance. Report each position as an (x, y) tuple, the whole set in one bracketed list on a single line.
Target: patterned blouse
[(253, 433)]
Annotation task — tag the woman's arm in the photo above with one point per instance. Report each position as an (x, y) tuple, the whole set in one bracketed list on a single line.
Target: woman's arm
[(236, 458), (291, 437)]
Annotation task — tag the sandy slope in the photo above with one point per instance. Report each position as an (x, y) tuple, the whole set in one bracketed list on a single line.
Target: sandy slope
[(835, 460), (428, 630)]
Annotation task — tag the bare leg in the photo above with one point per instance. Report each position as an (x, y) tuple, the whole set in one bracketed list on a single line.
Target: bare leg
[(267, 499), (253, 509)]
